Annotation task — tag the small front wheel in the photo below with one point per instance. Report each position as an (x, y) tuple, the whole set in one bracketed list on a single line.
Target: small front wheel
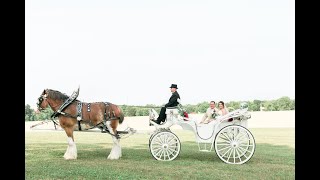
[(165, 146)]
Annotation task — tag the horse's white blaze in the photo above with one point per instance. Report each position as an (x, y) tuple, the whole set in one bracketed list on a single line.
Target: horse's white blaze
[(116, 148), (71, 152)]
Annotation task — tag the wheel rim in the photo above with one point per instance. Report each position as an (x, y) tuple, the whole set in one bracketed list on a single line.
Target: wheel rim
[(234, 144), (165, 146)]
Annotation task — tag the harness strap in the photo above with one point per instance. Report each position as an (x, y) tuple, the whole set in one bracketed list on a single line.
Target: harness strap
[(104, 129), (67, 115), (88, 109), (79, 111), (79, 114)]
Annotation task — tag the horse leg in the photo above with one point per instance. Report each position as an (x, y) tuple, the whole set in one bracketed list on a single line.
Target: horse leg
[(114, 125), (71, 152), (116, 148)]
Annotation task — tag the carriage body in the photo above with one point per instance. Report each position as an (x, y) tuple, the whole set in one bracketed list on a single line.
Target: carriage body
[(228, 135)]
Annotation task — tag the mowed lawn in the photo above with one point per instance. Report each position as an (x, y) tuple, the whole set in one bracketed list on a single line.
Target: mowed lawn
[(274, 158)]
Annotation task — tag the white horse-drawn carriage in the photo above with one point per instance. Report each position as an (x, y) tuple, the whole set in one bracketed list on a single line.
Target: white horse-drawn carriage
[(228, 134)]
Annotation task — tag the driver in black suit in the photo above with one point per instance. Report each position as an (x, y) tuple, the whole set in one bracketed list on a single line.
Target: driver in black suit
[(173, 101)]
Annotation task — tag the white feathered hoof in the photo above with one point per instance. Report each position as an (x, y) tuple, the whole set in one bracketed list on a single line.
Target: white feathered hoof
[(71, 152), (70, 155), (115, 153)]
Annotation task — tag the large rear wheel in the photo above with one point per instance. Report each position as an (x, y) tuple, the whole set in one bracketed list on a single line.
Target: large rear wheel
[(234, 144)]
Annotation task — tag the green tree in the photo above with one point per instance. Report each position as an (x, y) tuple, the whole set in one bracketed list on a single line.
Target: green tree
[(29, 113), (256, 105), (202, 107), (292, 107), (190, 108), (44, 114), (233, 104), (269, 106), (141, 112), (284, 103), (130, 111)]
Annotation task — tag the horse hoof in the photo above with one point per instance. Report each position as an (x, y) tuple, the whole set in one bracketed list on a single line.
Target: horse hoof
[(112, 157), (69, 158)]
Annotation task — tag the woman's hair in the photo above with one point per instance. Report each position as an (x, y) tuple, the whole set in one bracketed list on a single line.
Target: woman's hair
[(221, 103)]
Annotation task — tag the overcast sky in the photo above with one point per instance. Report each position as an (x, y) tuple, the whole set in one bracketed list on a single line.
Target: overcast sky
[(130, 52)]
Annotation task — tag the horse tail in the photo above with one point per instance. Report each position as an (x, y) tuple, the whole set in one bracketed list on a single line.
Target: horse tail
[(121, 116)]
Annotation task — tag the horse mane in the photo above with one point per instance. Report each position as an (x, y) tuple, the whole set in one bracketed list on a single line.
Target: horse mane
[(56, 95)]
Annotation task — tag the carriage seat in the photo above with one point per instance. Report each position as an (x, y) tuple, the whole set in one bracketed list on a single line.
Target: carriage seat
[(172, 110), (177, 111)]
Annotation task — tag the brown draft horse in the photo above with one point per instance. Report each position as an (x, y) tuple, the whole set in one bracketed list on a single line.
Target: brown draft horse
[(97, 114)]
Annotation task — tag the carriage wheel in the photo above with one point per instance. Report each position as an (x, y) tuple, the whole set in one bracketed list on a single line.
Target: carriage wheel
[(165, 146), (156, 132), (234, 144)]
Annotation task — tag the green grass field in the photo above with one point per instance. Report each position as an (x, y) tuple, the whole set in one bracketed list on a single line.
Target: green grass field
[(274, 158)]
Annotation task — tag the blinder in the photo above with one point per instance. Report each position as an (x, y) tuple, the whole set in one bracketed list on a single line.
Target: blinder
[(40, 100)]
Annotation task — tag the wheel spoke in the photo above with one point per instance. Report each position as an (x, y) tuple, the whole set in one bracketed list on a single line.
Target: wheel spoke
[(234, 155), (156, 148), (163, 138), (168, 154), (238, 155), (226, 152), (240, 134), (157, 143), (159, 139), (229, 140), (241, 151), (223, 144), (224, 148), (171, 140), (245, 152), (229, 154), (166, 138), (161, 153), (173, 146), (156, 154), (170, 151), (223, 138)]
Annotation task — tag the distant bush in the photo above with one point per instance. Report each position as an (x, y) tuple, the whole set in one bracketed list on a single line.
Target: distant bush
[(281, 104)]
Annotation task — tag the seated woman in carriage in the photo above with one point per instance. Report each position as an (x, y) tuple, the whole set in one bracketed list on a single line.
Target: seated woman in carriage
[(222, 108)]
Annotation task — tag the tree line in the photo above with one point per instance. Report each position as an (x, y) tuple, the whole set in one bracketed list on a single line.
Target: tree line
[(281, 104)]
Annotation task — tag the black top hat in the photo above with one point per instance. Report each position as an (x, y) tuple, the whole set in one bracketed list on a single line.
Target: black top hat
[(173, 86)]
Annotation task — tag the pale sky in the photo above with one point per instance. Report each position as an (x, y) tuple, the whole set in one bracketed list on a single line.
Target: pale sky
[(130, 52)]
